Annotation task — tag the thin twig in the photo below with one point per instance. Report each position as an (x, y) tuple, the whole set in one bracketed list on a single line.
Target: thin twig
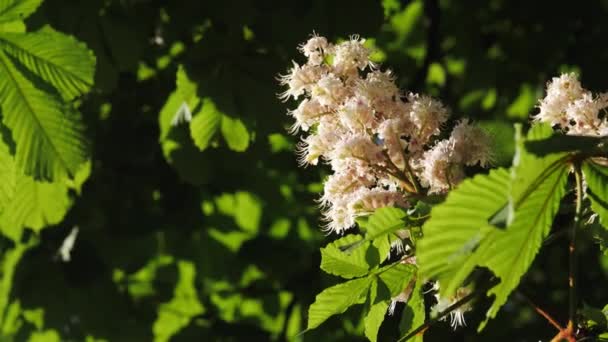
[(541, 312)]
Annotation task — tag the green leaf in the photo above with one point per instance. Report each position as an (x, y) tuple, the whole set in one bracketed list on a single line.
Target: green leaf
[(457, 226), (596, 177), (458, 237), (379, 225), (205, 124), (34, 205), (235, 133), (187, 88), (49, 135), (11, 10), (336, 299), (347, 265), (57, 58), (374, 320), (510, 253), (13, 26)]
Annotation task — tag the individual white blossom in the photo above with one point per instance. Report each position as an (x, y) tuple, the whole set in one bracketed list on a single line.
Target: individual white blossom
[(427, 115), (357, 115), (471, 144), (378, 86), (315, 49), (380, 144), (300, 80), (307, 114), (351, 56), (439, 169)]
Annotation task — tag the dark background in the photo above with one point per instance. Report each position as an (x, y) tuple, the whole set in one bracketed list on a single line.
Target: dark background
[(223, 245)]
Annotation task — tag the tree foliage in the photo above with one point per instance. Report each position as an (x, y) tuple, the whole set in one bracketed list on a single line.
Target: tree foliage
[(144, 140)]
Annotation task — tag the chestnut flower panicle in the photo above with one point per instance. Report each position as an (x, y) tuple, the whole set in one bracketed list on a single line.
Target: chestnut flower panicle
[(380, 142), (572, 108)]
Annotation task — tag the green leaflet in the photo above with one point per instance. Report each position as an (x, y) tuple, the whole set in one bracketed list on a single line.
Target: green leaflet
[(35, 205), (458, 237), (187, 88), (336, 299), (235, 133), (346, 265), (48, 133), (205, 124), (457, 226), (510, 253), (11, 10), (596, 177), (384, 284), (59, 59), (374, 320), (378, 226)]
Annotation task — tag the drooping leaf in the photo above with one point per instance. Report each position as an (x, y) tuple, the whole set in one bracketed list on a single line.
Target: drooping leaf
[(205, 124), (11, 10), (57, 58), (510, 253), (48, 133), (346, 265), (374, 320), (597, 189), (336, 299)]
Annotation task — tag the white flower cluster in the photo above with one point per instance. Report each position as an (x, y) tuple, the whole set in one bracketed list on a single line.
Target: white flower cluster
[(379, 142), (572, 108)]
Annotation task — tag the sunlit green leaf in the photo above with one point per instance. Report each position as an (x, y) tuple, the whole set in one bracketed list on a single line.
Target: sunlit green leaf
[(59, 59), (340, 263), (336, 299), (11, 10), (374, 320), (205, 124), (49, 134)]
